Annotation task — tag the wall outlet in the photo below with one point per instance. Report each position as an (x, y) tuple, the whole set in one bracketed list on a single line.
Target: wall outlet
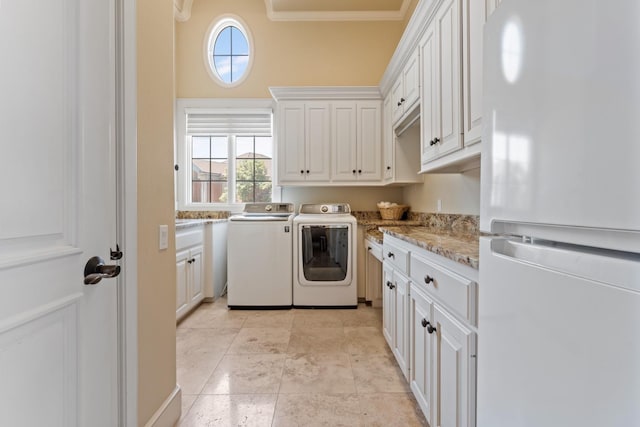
[(164, 237), (439, 205)]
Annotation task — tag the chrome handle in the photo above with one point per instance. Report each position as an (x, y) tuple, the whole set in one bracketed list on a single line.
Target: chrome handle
[(95, 270)]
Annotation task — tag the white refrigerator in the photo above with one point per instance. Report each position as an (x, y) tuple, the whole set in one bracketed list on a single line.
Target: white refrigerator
[(559, 302)]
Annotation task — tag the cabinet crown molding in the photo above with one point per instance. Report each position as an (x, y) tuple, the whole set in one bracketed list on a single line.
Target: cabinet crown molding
[(325, 92)]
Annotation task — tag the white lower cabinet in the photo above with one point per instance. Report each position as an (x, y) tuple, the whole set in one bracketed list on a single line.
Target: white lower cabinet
[(189, 270), (432, 340)]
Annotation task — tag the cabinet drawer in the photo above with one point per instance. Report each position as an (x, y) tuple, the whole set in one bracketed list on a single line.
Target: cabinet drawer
[(456, 291), (189, 237), (398, 257), (375, 249)]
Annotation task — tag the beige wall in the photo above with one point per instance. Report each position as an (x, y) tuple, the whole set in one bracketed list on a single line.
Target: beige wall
[(460, 193), (156, 268), (286, 53), (360, 198)]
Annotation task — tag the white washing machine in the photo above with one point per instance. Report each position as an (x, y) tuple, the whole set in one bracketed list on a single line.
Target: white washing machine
[(324, 247), (260, 257)]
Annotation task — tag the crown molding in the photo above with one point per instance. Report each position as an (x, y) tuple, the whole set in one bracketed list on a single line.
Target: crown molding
[(182, 10), (368, 15), (325, 92)]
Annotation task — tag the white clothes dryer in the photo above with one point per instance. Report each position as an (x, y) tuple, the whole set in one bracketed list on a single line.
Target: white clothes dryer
[(324, 247)]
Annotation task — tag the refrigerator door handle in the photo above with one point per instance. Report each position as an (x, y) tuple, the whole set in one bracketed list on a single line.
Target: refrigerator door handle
[(620, 269)]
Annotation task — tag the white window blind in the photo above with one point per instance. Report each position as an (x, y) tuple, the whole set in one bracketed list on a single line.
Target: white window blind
[(255, 122)]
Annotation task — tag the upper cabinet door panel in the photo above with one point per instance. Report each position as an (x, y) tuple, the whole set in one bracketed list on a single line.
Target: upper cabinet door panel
[(429, 113), (318, 137), (344, 141), (411, 80), (474, 16), (291, 143), (369, 141)]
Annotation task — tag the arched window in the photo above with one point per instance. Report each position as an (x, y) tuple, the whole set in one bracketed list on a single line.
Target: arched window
[(228, 51)]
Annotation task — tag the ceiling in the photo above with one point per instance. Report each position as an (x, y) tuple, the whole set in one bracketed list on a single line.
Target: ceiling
[(336, 10)]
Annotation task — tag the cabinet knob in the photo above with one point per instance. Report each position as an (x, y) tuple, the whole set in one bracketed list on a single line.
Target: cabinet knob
[(359, 170), (388, 167), (369, 248), (354, 171), (430, 328), (424, 323), (301, 171), (402, 100), (307, 170), (428, 279), (391, 255), (432, 143), (399, 103), (436, 140), (389, 285)]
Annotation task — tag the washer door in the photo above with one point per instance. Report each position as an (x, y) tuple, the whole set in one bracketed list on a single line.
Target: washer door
[(324, 257)]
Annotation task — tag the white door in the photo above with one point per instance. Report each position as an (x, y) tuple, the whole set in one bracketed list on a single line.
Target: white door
[(57, 335)]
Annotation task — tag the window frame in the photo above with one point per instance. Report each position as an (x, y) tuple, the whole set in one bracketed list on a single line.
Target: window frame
[(182, 151), (215, 28)]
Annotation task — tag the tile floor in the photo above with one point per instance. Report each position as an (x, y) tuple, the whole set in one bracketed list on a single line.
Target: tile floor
[(290, 368)]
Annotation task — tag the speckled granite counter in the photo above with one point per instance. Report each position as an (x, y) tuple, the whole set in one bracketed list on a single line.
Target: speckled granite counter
[(459, 247), (374, 235)]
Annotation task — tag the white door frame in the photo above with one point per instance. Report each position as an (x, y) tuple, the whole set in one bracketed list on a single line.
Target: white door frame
[(127, 213)]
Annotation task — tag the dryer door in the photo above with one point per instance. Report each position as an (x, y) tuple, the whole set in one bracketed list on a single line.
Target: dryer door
[(324, 254)]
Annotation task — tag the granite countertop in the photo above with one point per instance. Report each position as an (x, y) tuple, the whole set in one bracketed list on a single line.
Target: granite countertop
[(374, 235), (377, 222), (459, 247)]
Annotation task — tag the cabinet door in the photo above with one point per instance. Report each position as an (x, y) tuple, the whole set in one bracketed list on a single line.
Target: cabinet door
[(448, 79), (422, 369), (318, 141), (387, 140), (429, 113), (182, 278), (411, 81), (368, 138), (401, 349), (454, 400), (396, 99), (344, 142), (291, 142), (474, 14), (388, 305), (196, 276)]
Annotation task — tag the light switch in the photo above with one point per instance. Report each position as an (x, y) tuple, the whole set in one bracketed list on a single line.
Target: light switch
[(439, 205), (164, 237)]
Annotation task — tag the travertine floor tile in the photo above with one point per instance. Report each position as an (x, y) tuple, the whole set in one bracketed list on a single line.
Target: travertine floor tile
[(270, 319), (260, 340), (317, 340), (210, 317), (317, 318), (187, 402), (246, 374), (310, 410), (363, 316), (365, 340), (251, 410), (378, 373), (318, 373), (390, 409)]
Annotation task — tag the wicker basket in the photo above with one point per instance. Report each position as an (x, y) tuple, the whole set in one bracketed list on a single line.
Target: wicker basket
[(394, 212)]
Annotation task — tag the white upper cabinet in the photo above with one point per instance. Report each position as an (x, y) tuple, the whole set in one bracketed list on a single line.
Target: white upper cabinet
[(303, 138), (405, 92), (356, 141), (441, 88)]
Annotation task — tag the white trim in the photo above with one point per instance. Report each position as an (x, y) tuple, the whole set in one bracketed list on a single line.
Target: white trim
[(168, 414), (350, 15), (39, 312), (217, 25), (37, 255), (182, 12), (350, 93), (127, 213)]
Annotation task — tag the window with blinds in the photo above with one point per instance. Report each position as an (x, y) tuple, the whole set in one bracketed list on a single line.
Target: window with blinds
[(231, 156)]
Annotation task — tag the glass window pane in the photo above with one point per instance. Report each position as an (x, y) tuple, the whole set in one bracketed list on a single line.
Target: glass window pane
[(238, 67), (200, 147), (200, 192), (244, 192), (223, 67), (219, 170), (200, 169), (223, 42), (239, 43), (264, 147), (263, 191), (219, 147), (219, 192), (244, 147), (263, 169), (244, 170)]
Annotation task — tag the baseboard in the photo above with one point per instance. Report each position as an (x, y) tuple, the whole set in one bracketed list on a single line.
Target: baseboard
[(169, 412)]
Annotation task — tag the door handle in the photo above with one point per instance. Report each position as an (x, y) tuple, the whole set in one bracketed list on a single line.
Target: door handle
[(95, 270)]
